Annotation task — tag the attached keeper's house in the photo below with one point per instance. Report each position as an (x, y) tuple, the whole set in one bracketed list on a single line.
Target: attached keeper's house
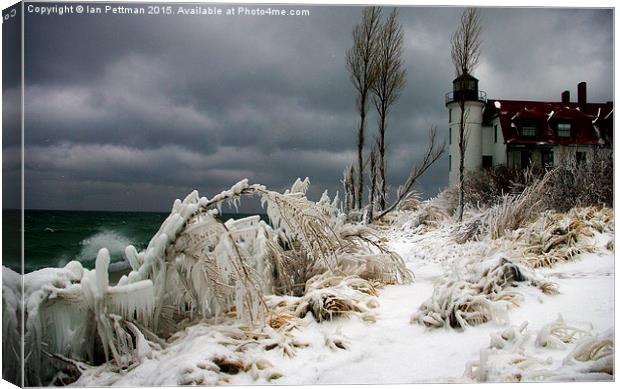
[(520, 133)]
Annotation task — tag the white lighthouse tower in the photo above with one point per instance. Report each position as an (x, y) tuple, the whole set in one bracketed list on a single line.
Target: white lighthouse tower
[(465, 89)]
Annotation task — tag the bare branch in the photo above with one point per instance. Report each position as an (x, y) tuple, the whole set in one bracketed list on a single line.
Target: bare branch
[(466, 43), (433, 153)]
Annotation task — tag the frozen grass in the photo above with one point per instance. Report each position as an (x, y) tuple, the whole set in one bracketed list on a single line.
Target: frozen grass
[(516, 355), (298, 349), (244, 303)]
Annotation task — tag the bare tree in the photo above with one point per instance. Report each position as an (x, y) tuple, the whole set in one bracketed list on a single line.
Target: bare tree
[(391, 79), (465, 54), (433, 152), (361, 58)]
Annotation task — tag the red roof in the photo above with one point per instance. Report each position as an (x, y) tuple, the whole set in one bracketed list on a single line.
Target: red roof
[(592, 126)]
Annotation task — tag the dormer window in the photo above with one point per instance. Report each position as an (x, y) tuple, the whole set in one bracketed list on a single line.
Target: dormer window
[(528, 128), (528, 131), (563, 130)]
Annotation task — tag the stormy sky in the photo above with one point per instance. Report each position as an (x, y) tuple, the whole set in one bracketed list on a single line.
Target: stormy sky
[(130, 112)]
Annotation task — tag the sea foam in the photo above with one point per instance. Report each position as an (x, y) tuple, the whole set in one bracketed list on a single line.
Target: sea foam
[(114, 241)]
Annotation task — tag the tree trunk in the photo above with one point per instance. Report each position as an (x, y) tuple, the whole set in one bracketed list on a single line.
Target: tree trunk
[(382, 190), (359, 192), (373, 184), (461, 205)]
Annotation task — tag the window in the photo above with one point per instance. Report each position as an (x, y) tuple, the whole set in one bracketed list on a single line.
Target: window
[(564, 130), (581, 157), (514, 158), (450, 115), (487, 161), (526, 159), (528, 131), (495, 136), (466, 84), (528, 128), (450, 135), (449, 163), (547, 159)]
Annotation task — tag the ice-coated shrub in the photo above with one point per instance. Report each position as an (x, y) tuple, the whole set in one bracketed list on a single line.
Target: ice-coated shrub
[(487, 187), (195, 267), (570, 183)]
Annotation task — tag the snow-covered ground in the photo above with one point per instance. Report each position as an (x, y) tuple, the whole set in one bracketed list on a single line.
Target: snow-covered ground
[(393, 349)]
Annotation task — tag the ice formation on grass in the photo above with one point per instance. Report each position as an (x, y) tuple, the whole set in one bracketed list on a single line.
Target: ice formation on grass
[(481, 287), (559, 237), (212, 302), (328, 296), (70, 313), (475, 294), (224, 350), (518, 354), (195, 268)]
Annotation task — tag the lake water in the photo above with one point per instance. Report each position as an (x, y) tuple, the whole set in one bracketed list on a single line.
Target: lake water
[(53, 238)]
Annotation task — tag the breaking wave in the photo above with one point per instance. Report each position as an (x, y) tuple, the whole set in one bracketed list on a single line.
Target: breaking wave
[(112, 240)]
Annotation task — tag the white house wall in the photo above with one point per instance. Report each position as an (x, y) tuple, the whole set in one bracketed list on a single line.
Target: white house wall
[(498, 148), (487, 141)]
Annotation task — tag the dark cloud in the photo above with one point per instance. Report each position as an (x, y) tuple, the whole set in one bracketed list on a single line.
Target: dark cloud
[(131, 112)]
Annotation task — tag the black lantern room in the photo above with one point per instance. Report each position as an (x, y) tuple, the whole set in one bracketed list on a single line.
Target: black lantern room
[(465, 87)]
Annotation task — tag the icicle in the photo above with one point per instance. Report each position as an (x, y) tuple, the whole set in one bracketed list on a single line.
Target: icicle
[(300, 186), (124, 280), (76, 269), (240, 293), (191, 198), (176, 205), (132, 256), (101, 266), (133, 299), (222, 259), (336, 201), (324, 198)]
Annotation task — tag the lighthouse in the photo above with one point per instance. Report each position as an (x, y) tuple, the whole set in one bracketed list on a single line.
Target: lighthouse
[(464, 89)]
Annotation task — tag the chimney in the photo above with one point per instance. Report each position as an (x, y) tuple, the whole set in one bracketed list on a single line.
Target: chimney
[(566, 97), (581, 96)]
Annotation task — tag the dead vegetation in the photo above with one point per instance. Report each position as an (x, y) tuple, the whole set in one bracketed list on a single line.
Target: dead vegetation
[(569, 184), (483, 294), (558, 237), (479, 290), (328, 296), (506, 359)]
